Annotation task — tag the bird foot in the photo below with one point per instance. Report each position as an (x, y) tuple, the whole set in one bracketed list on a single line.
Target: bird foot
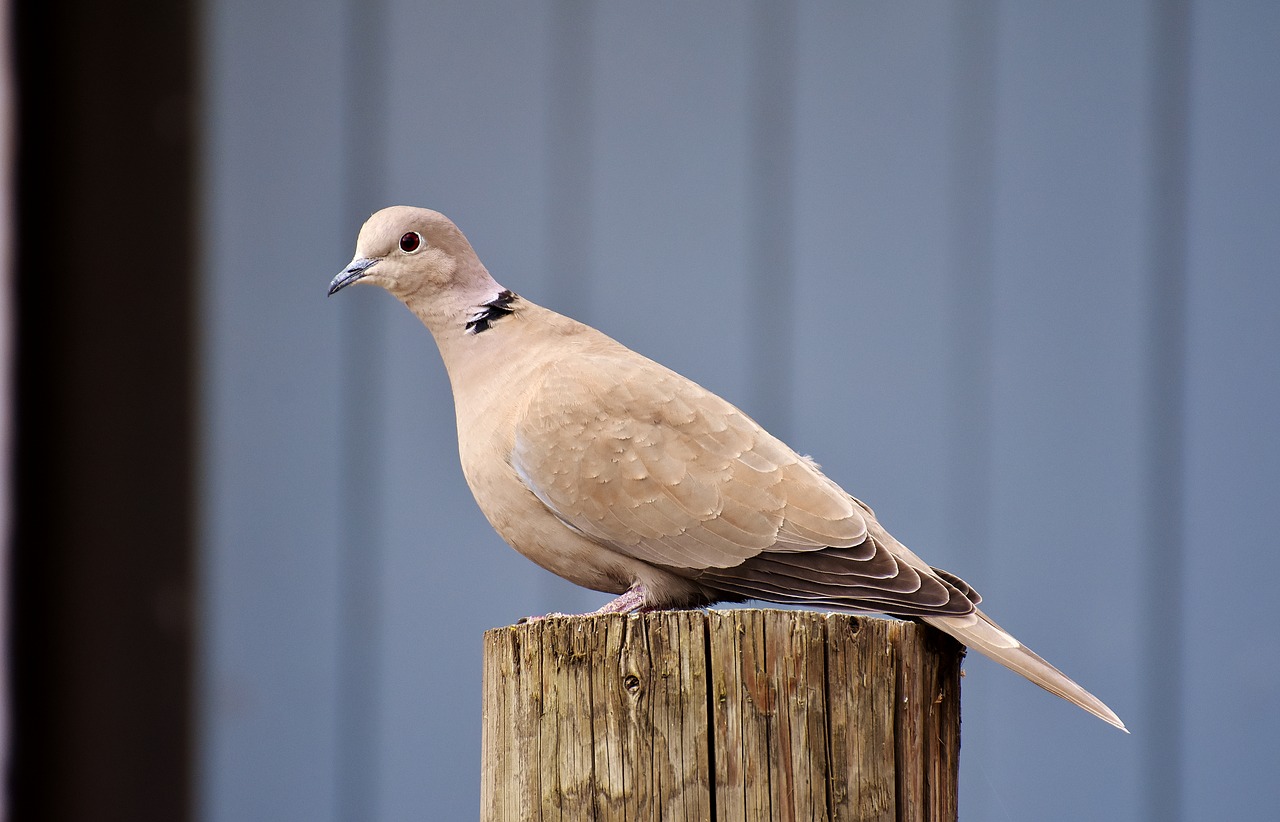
[(632, 602), (629, 603)]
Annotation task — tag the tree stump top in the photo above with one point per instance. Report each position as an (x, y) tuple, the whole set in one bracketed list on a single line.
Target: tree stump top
[(725, 715)]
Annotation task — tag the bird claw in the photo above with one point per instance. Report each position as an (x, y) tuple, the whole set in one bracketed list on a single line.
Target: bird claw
[(632, 602)]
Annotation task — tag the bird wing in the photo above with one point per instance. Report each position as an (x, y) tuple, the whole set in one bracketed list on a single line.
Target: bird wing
[(650, 464)]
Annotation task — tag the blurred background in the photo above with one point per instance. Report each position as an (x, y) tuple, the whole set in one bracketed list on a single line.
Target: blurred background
[(1009, 271)]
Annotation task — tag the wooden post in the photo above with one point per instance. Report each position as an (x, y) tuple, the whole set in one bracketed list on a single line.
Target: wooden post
[(720, 715)]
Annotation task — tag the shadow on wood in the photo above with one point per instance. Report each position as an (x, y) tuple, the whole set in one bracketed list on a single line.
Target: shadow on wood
[(720, 715)]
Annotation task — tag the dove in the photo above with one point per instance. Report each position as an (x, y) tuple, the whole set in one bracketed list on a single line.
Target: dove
[(619, 475)]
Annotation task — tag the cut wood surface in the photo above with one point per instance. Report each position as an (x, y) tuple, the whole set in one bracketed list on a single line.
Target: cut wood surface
[(720, 715)]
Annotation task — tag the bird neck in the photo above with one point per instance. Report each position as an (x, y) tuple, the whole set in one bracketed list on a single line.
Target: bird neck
[(445, 309), (464, 319)]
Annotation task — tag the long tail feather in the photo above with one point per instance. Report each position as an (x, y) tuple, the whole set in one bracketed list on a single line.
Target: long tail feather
[(978, 632)]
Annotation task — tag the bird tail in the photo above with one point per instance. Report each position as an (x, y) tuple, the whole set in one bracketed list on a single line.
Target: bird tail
[(977, 631)]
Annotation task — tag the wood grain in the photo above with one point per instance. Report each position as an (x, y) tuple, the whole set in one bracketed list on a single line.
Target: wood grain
[(725, 715)]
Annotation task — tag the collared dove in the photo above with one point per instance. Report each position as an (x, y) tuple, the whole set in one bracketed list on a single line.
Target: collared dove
[(622, 476)]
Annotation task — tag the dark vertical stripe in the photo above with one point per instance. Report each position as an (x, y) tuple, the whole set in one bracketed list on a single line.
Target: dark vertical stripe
[(972, 181), (771, 214), (101, 639), (569, 137), (365, 118), (1166, 294)]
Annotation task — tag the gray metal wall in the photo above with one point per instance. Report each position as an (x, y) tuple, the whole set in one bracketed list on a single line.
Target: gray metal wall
[(1008, 270)]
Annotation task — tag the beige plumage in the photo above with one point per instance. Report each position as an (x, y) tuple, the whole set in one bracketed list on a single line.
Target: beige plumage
[(620, 475)]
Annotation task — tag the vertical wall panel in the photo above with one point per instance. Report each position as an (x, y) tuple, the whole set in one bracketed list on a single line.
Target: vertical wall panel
[(771, 214), (364, 100), (1162, 679), (669, 160), (1231, 653), (270, 412), (971, 119), (1068, 344), (871, 274)]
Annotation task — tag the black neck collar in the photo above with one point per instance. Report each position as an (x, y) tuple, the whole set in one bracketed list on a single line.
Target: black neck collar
[(497, 308)]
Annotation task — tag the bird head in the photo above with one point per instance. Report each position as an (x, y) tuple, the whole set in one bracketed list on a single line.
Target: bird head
[(415, 253)]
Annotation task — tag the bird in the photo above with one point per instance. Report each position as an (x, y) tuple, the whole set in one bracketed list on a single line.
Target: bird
[(622, 476)]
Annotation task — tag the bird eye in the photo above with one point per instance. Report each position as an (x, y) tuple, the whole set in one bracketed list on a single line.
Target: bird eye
[(411, 242)]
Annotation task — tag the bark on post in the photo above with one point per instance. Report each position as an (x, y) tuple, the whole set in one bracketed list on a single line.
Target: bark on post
[(721, 715)]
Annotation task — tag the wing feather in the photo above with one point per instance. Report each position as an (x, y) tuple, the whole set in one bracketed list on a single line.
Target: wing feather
[(654, 466)]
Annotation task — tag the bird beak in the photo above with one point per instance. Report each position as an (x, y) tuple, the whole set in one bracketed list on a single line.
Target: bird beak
[(359, 266)]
